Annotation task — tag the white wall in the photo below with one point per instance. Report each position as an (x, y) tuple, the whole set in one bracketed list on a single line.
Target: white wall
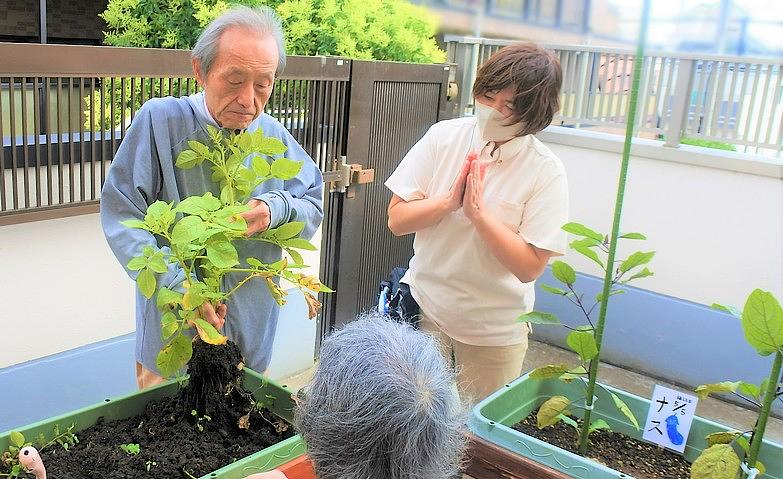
[(60, 288), (718, 233)]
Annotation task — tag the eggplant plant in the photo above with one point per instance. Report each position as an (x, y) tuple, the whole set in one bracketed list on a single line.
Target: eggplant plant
[(201, 233), (585, 340), (762, 323)]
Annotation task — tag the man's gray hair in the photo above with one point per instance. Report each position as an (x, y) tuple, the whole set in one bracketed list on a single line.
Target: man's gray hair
[(262, 20), (383, 404)]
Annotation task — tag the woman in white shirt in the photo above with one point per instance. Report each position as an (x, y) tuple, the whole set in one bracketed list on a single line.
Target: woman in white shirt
[(486, 201)]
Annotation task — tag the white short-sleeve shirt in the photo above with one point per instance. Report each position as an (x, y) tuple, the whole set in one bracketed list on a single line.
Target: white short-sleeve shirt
[(454, 277)]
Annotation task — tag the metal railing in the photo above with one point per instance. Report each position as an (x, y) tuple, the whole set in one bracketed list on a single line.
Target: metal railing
[(733, 100), (65, 109)]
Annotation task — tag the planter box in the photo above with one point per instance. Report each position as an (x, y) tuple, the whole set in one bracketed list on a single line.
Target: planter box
[(493, 417), (132, 404)]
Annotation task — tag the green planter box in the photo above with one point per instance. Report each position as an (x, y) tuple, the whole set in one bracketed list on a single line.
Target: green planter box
[(493, 417), (132, 404)]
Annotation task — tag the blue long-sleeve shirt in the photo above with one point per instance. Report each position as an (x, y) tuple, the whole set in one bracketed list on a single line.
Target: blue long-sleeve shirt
[(143, 172)]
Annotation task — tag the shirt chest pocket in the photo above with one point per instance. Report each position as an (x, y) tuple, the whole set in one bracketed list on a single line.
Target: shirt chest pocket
[(507, 212)]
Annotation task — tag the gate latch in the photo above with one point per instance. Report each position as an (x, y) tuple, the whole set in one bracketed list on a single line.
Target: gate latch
[(343, 176)]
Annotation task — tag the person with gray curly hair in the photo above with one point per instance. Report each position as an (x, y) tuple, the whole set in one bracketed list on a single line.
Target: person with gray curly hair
[(382, 404)]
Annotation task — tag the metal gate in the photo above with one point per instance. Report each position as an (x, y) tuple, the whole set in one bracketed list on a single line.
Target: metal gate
[(391, 106)]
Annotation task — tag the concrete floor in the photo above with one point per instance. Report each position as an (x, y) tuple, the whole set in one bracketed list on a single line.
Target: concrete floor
[(540, 354)]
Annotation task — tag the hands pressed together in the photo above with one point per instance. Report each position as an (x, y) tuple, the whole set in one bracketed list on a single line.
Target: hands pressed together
[(468, 189)]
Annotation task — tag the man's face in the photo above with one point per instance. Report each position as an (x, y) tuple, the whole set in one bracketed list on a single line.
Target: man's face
[(240, 80)]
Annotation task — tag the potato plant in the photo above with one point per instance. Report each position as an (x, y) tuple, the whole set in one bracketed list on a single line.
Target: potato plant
[(201, 233)]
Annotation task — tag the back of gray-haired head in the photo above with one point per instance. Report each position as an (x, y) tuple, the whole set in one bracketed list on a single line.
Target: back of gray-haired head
[(382, 405), (262, 20)]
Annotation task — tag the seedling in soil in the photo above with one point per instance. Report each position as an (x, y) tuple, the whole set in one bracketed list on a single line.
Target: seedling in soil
[(202, 233), (9, 461), (150, 465), (586, 340), (762, 322), (131, 449), (200, 419)]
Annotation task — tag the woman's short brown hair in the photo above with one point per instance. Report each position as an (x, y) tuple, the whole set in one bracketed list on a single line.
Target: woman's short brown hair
[(536, 77)]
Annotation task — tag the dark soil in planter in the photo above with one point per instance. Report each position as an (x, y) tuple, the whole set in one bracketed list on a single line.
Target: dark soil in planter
[(179, 443), (636, 458)]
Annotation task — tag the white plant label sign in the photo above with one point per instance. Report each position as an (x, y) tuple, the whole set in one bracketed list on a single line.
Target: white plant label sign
[(669, 418)]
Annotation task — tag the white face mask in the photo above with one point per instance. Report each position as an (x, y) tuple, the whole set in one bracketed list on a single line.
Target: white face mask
[(492, 124)]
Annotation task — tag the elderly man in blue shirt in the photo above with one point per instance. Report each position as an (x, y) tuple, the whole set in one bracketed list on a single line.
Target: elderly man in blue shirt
[(235, 60)]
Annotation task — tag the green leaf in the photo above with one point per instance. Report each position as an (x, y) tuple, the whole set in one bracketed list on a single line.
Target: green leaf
[(637, 259), (285, 169), (221, 252), (260, 166), (538, 317), (188, 159), (633, 236), (168, 324), (585, 251), (134, 224), (157, 263), (167, 297), (295, 256), (569, 421), (300, 243), (641, 274), (174, 355), (716, 462), (325, 289), (728, 309), (272, 146), (289, 230), (254, 262), (244, 141), (550, 371), (17, 439), (600, 296), (563, 272), (188, 229), (199, 205), (572, 374), (705, 390), (762, 321), (583, 343), (749, 389), (599, 424), (194, 296), (137, 263), (721, 438), (147, 282), (225, 195), (553, 407), (743, 443), (159, 216), (552, 290), (199, 148), (625, 410), (588, 242), (246, 179), (208, 333), (582, 230)]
